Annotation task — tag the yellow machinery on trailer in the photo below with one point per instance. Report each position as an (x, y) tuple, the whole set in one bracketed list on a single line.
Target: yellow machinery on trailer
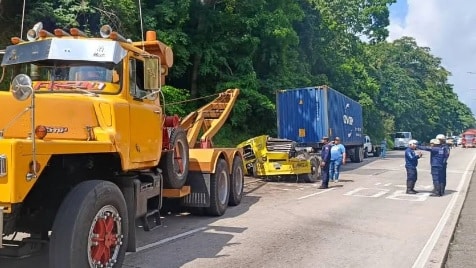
[(265, 156)]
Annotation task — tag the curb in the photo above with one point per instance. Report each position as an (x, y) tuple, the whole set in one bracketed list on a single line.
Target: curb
[(438, 254)]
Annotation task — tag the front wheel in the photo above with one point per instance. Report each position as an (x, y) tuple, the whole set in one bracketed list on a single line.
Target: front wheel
[(314, 175), (91, 227)]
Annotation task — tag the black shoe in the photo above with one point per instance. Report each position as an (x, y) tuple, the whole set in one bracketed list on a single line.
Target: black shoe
[(442, 189), (410, 185), (322, 187), (436, 190), (411, 191)]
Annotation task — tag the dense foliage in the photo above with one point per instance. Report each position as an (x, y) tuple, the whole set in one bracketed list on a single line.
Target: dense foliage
[(261, 46)]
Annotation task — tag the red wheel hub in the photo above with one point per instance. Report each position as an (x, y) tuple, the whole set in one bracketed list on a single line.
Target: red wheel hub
[(105, 239)]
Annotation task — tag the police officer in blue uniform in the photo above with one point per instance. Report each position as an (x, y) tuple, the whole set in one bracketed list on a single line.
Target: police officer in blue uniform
[(445, 154), (326, 159), (411, 163), (437, 161)]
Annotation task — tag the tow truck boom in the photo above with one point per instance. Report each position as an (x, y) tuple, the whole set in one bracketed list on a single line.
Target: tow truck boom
[(209, 119)]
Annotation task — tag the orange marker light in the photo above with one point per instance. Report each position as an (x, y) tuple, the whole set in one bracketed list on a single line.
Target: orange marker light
[(40, 132)]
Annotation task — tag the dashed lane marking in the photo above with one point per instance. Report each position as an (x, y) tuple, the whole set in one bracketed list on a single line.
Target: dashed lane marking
[(168, 239), (367, 192), (318, 193)]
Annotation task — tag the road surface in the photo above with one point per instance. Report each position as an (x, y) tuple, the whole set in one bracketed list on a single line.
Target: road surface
[(365, 220)]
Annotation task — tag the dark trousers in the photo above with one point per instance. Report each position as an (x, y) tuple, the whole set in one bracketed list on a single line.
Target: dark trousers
[(443, 175), (437, 175), (325, 175), (412, 174)]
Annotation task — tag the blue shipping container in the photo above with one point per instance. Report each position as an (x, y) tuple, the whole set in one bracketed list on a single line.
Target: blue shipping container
[(305, 115)]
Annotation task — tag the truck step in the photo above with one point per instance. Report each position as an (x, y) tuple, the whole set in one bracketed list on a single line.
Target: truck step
[(151, 220)]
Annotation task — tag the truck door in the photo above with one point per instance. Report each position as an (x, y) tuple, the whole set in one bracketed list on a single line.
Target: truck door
[(145, 118)]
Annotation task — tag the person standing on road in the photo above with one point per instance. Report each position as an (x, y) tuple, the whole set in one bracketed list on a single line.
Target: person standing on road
[(337, 159), (326, 158), (383, 150), (445, 155), (436, 161), (411, 163)]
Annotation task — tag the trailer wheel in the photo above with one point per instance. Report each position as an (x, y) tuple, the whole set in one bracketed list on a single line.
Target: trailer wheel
[(175, 163), (315, 170), (90, 229), (219, 189), (377, 152), (236, 181), (358, 155)]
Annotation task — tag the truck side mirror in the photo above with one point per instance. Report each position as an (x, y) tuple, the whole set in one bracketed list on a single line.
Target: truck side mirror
[(151, 73)]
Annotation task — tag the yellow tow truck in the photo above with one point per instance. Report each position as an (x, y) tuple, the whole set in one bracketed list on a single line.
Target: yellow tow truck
[(86, 149)]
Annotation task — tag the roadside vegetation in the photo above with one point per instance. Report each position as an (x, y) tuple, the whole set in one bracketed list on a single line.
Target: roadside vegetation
[(261, 46)]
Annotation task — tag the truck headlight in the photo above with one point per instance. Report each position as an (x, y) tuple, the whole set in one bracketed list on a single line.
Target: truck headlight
[(3, 165)]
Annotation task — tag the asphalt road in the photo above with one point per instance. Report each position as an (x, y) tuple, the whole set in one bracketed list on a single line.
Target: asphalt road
[(365, 220)]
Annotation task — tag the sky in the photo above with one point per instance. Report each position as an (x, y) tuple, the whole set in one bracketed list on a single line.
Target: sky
[(448, 28)]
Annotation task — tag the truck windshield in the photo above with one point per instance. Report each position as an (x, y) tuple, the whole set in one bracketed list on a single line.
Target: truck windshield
[(64, 76), (402, 135)]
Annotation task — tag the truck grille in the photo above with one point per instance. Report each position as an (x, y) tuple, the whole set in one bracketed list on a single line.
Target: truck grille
[(3, 165)]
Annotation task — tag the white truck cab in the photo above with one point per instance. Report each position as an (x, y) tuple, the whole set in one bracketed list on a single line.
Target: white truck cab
[(401, 140), (369, 148)]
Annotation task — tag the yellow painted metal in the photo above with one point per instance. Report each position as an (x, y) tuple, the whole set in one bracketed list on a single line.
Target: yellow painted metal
[(268, 163), (14, 186), (78, 123), (175, 193), (204, 160), (209, 119)]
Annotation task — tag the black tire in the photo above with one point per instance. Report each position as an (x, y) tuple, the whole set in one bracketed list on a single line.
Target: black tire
[(219, 189), (315, 170), (80, 213), (377, 152), (237, 181), (358, 155), (175, 164), (254, 170)]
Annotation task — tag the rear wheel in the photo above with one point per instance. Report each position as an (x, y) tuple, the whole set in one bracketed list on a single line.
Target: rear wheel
[(90, 229), (377, 152), (219, 189), (315, 168), (236, 181), (175, 163), (358, 155)]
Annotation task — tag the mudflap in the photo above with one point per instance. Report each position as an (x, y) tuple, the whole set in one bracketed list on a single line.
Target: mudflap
[(139, 191), (200, 187)]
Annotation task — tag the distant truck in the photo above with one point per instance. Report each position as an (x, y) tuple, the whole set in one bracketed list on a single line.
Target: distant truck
[(371, 149), (401, 140), (306, 115)]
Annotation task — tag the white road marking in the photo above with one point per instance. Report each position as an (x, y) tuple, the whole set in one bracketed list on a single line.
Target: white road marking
[(401, 195), (374, 192), (320, 192), (387, 184), (430, 244), (166, 240), (378, 183)]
